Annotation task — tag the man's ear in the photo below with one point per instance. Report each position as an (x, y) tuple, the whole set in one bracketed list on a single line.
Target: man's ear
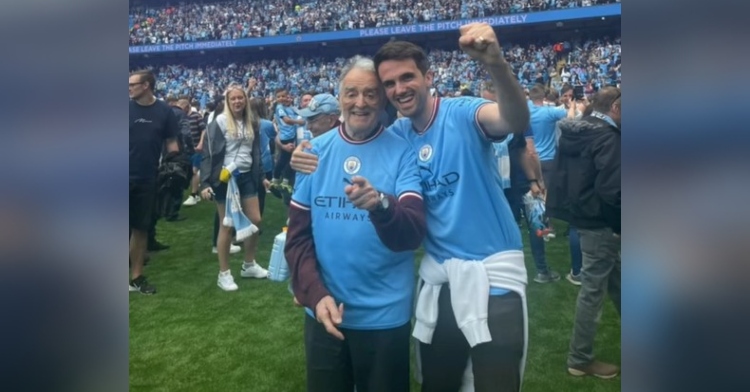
[(429, 77)]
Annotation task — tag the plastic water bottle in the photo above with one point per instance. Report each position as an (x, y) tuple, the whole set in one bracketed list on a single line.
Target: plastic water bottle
[(536, 214), (278, 270)]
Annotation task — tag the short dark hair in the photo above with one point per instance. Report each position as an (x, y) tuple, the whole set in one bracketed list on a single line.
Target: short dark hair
[(402, 50), (171, 99), (147, 76), (279, 90), (465, 92), (604, 98), (565, 88), (537, 93)]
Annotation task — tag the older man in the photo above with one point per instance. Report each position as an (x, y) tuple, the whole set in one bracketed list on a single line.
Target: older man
[(353, 227)]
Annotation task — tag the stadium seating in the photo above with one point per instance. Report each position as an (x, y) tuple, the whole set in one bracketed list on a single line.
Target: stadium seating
[(190, 22), (595, 62)]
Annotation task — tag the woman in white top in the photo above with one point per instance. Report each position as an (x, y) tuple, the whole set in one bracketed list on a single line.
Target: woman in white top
[(233, 141)]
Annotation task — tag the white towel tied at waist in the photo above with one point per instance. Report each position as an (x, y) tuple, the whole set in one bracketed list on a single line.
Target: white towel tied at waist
[(470, 282)]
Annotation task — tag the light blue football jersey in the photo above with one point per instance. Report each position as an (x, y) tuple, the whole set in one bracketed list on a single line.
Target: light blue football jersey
[(468, 216), (375, 284), (286, 132)]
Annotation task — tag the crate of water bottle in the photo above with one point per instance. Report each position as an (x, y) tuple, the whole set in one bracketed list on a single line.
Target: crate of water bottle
[(536, 215), (278, 269)]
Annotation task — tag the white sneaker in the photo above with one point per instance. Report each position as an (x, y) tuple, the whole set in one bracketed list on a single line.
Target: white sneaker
[(232, 249), (191, 201), (226, 281), (254, 271)]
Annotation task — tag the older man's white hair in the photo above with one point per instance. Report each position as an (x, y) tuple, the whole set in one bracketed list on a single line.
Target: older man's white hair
[(356, 62)]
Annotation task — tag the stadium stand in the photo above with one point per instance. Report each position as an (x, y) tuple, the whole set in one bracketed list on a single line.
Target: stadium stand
[(594, 62), (206, 21)]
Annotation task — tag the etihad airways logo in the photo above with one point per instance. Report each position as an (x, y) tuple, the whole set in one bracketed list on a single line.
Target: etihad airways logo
[(437, 187), (350, 213), (142, 121)]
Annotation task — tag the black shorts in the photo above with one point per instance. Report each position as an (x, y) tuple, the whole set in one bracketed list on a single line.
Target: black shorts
[(142, 203), (245, 182)]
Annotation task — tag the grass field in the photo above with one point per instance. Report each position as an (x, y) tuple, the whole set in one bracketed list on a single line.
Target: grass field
[(192, 336)]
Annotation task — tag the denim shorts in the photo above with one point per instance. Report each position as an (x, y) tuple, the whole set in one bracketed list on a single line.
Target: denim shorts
[(196, 160), (247, 185)]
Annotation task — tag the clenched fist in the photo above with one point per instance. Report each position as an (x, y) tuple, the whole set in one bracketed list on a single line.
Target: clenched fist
[(479, 41)]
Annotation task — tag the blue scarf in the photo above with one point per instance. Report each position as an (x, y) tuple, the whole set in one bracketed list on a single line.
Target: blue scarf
[(233, 215)]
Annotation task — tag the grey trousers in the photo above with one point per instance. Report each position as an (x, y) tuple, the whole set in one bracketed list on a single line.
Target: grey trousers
[(600, 274)]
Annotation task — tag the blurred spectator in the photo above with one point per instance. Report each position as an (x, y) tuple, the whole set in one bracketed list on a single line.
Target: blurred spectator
[(595, 64), (260, 18)]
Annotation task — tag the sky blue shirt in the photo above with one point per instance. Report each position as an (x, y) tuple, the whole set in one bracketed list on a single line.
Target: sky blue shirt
[(468, 216), (375, 284), (286, 132), (543, 121)]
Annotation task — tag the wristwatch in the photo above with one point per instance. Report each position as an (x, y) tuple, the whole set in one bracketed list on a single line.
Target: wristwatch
[(383, 202)]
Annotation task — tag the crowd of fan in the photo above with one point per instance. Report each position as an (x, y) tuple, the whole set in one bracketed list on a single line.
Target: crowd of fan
[(594, 64), (258, 18)]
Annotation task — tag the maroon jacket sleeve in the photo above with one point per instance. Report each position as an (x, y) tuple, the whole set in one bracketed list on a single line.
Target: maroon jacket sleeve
[(402, 226), (300, 255)]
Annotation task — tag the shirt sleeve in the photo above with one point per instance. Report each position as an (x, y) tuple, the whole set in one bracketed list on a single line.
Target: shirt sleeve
[(528, 133), (280, 112), (402, 226), (299, 250), (557, 114), (172, 128), (469, 111), (201, 123), (302, 190), (408, 181)]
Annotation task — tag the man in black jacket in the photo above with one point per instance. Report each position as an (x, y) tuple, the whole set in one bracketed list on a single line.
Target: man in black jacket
[(585, 190)]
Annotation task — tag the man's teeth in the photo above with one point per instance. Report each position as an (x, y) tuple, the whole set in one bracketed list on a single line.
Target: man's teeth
[(405, 99)]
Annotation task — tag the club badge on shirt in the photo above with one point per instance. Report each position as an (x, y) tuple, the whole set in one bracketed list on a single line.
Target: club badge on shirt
[(352, 165), (425, 153)]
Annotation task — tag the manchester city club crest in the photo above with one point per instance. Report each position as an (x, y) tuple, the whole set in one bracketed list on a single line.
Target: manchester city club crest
[(425, 153), (352, 165)]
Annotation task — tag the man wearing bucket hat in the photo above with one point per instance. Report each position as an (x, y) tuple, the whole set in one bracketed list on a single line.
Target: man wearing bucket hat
[(321, 114)]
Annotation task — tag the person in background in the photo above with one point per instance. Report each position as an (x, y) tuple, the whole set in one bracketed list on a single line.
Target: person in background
[(567, 99), (267, 132), (287, 123), (519, 166), (542, 141), (321, 114), (234, 247), (197, 133), (585, 190), (153, 124), (233, 140)]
